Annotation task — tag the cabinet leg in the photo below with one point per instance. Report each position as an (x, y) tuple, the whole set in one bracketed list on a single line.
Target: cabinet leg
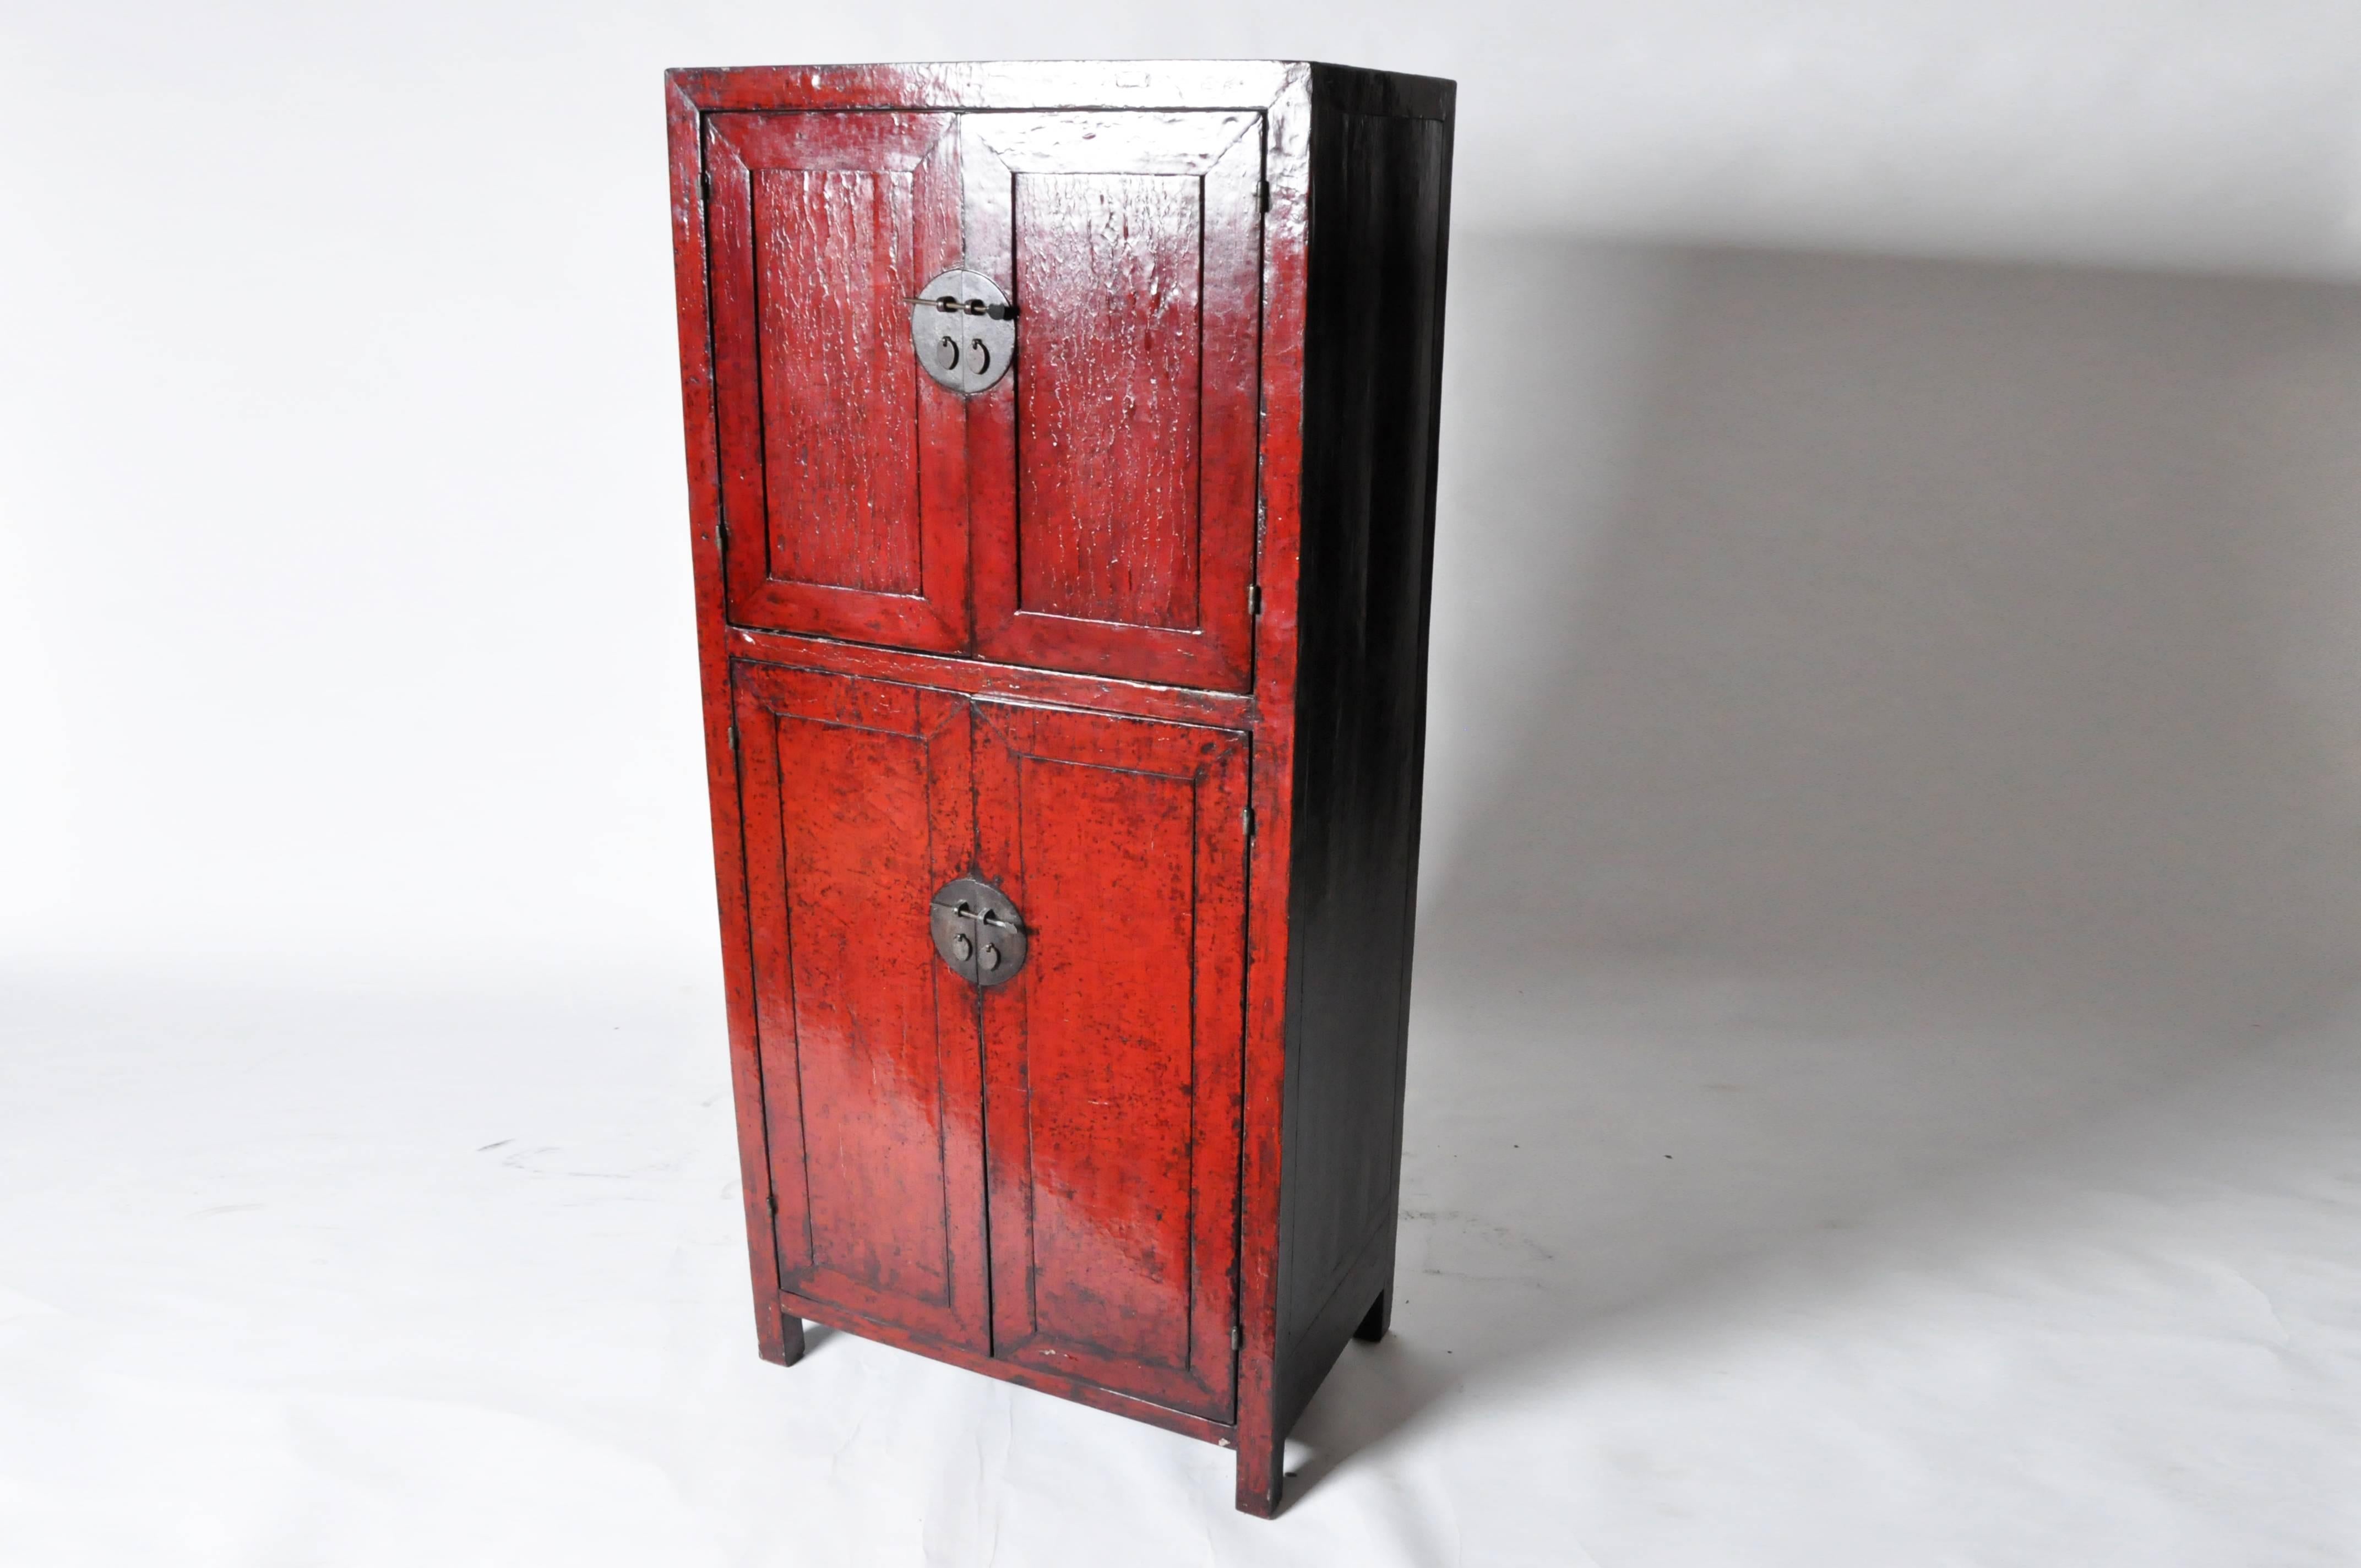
[(1379, 1318), (783, 1341), (1261, 1474)]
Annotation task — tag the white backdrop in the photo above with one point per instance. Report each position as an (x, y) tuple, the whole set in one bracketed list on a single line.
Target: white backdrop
[(1883, 1083)]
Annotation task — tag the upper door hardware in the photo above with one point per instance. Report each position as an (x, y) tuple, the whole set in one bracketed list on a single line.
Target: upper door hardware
[(963, 329), (978, 931), (950, 305)]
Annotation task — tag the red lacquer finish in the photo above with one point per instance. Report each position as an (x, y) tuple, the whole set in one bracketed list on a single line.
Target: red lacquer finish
[(1112, 1059), (857, 806), (1114, 475), (1182, 705), (1138, 636), (844, 464)]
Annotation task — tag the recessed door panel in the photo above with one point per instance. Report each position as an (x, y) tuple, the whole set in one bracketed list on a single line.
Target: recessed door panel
[(843, 464), (1112, 1059), (1107, 469), (1113, 472), (857, 806)]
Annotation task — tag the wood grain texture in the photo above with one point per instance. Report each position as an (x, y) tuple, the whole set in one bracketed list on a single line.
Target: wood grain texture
[(1051, 688), (1111, 1061), (857, 808), (833, 262), (845, 492), (1106, 422), (1113, 475)]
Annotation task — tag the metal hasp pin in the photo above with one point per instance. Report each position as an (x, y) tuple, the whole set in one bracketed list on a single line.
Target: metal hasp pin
[(953, 305), (963, 329), (977, 931)]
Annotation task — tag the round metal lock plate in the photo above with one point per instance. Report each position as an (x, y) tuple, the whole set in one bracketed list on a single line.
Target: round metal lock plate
[(963, 329), (977, 931)]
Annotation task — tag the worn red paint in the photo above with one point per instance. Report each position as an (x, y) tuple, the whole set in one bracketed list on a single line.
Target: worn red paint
[(1113, 474), (857, 806), (1015, 637), (1111, 1061), (844, 464)]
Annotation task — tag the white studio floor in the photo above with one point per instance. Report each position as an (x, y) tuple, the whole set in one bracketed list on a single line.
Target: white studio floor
[(1694, 1271)]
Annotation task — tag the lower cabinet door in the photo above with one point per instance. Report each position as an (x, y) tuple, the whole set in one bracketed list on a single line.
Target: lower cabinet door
[(1088, 1107), (857, 806), (1112, 1059)]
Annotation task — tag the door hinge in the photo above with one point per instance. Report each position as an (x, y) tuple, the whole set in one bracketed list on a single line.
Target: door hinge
[(1237, 1336), (1262, 194), (773, 1200), (1250, 822), (733, 737), (1254, 599), (705, 182)]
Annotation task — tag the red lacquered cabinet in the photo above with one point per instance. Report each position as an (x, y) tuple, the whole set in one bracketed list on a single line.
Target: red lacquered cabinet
[(1062, 473)]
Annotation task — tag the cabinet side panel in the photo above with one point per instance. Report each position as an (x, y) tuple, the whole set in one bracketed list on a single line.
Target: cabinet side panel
[(684, 138), (1372, 372)]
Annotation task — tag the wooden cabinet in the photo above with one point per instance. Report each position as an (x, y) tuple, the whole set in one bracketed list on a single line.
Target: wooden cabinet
[(1065, 702)]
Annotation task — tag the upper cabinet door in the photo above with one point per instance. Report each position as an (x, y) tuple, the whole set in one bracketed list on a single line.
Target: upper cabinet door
[(1113, 473), (844, 465)]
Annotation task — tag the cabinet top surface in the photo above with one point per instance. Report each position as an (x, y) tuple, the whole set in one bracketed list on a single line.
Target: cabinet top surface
[(1069, 83)]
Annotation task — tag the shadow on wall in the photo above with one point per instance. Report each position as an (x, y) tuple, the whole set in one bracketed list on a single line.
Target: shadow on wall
[(1962, 618), (1884, 712)]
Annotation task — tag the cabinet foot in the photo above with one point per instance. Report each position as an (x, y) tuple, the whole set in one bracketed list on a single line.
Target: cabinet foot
[(1261, 1474), (1379, 1318), (785, 1344)]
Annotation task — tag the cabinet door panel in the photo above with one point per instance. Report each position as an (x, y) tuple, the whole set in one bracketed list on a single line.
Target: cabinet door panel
[(843, 464), (1112, 1061), (857, 806), (1114, 471)]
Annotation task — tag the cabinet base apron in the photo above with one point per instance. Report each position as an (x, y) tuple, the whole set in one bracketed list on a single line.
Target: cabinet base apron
[(792, 1309)]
